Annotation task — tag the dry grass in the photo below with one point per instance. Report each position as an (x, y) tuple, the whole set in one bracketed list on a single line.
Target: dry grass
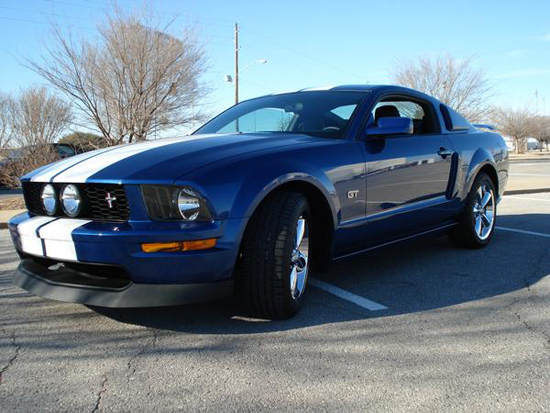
[(12, 203)]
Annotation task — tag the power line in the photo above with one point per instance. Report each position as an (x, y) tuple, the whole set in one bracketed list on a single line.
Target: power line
[(314, 59), (42, 13), (176, 15), (41, 22)]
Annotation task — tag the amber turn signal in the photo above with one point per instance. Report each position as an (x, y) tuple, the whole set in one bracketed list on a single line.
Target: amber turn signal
[(202, 244)]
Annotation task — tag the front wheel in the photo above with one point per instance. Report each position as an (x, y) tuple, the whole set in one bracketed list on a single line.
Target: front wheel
[(477, 224), (275, 258)]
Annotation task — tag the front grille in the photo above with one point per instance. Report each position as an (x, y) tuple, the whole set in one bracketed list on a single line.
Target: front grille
[(94, 203)]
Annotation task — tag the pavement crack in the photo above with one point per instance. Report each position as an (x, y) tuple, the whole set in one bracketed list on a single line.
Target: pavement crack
[(99, 397), (539, 272), (17, 347), (132, 363)]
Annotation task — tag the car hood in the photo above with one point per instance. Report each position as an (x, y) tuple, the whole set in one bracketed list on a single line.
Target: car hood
[(160, 161)]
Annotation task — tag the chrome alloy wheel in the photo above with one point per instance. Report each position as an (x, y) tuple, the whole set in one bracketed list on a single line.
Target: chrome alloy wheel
[(299, 259), (484, 212)]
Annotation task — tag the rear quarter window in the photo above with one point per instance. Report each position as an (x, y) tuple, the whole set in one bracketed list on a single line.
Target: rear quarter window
[(453, 121)]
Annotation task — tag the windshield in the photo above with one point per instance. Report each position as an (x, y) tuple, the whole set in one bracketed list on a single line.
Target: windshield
[(317, 113)]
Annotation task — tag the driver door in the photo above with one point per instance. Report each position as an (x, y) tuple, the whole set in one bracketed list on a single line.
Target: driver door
[(408, 175)]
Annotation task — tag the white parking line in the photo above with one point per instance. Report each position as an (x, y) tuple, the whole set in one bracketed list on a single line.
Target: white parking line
[(515, 174), (522, 231), (526, 198), (346, 295)]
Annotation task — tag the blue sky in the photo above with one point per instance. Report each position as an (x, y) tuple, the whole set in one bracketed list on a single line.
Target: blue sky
[(314, 42)]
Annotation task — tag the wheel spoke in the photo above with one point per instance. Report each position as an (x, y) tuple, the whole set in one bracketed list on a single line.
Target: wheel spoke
[(486, 198), (293, 280), (486, 221), (300, 231), (480, 193), (479, 226)]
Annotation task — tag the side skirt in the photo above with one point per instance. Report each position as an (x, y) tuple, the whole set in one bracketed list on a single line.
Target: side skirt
[(433, 231)]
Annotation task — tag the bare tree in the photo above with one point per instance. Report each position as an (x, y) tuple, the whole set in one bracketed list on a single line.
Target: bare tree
[(542, 130), (38, 117), (455, 82), (517, 124), (5, 128), (134, 80), (29, 159)]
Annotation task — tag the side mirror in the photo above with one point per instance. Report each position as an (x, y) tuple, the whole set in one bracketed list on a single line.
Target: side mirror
[(392, 126)]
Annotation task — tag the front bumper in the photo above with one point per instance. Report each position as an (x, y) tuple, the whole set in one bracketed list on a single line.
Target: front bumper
[(69, 285), (134, 278)]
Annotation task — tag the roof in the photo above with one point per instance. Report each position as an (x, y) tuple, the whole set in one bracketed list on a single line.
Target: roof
[(359, 88), (354, 88)]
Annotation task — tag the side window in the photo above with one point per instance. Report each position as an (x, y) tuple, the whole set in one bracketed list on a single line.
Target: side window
[(453, 121), (265, 119), (65, 151), (420, 114)]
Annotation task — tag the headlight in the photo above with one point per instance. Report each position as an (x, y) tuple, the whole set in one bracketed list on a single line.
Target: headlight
[(171, 203), (49, 200), (70, 200)]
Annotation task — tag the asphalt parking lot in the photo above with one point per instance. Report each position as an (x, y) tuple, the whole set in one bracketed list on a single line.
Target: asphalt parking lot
[(454, 329)]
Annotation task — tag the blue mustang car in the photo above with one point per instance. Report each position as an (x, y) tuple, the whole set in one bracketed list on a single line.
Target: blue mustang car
[(257, 199)]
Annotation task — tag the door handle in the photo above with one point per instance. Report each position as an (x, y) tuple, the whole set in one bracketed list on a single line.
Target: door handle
[(444, 152)]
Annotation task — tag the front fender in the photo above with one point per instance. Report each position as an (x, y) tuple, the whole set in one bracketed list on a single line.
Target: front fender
[(318, 180), (236, 189)]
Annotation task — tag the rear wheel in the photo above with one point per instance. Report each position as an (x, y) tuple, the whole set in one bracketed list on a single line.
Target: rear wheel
[(275, 260), (477, 223)]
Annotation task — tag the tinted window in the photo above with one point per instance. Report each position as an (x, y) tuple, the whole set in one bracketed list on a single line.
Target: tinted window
[(319, 113), (65, 151), (454, 121)]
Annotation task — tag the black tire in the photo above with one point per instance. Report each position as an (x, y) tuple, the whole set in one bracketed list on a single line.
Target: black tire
[(263, 280), (464, 234)]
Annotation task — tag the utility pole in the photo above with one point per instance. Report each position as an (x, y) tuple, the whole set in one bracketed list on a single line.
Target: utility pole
[(236, 63)]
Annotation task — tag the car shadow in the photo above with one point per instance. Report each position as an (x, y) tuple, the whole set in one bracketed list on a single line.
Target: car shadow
[(417, 276)]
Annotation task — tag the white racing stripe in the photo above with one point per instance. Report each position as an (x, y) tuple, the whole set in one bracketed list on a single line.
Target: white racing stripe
[(54, 238), (60, 166), (30, 243), (77, 169), (29, 227), (346, 295), (58, 240), (81, 172)]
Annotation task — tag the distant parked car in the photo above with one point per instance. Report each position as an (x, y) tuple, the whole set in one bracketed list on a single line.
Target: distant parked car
[(64, 150), (258, 198), (19, 160)]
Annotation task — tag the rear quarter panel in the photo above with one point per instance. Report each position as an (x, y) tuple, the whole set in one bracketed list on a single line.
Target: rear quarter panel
[(476, 149)]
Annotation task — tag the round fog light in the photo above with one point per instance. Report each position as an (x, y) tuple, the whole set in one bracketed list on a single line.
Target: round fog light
[(71, 201), (49, 201)]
